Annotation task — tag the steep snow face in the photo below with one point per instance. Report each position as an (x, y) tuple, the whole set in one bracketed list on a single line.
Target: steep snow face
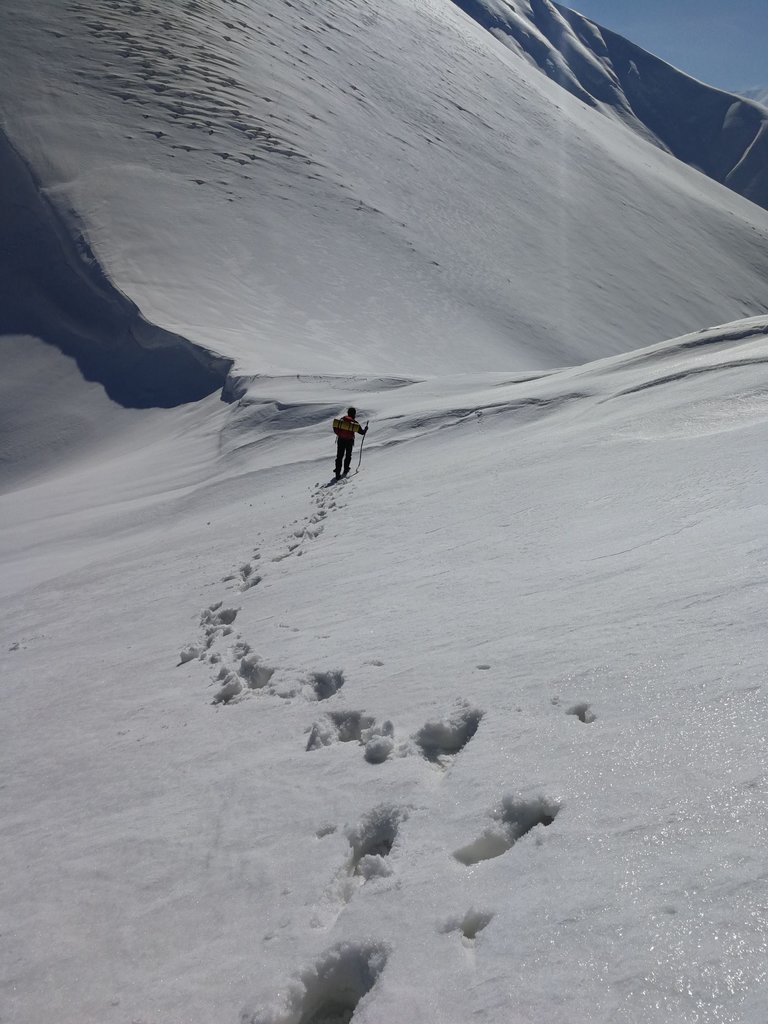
[(378, 188), (52, 287), (711, 130)]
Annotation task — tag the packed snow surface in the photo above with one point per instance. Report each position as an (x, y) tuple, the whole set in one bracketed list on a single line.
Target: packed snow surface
[(476, 734)]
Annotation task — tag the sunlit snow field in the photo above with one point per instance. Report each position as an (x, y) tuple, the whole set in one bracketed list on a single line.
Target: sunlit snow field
[(537, 602), (476, 734)]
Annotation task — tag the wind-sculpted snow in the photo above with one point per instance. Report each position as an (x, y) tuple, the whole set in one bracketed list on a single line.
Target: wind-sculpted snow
[(711, 130), (374, 189), (52, 288)]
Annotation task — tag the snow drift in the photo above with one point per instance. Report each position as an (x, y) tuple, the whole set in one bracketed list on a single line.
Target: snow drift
[(52, 288)]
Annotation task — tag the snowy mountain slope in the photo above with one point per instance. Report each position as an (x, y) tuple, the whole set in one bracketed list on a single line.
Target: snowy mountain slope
[(362, 188), (476, 734), (711, 130), (551, 588)]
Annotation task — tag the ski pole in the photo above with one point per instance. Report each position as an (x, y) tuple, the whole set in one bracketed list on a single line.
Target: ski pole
[(360, 457)]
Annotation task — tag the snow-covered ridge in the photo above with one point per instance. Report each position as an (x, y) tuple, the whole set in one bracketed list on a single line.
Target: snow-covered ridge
[(380, 189), (283, 407), (714, 131)]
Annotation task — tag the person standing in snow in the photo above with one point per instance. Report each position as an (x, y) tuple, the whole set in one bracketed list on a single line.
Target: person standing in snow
[(345, 430)]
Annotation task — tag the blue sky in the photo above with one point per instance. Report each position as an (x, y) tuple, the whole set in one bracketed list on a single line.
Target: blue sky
[(722, 42)]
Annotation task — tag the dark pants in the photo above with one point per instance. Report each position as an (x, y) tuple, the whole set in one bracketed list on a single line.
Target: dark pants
[(344, 448)]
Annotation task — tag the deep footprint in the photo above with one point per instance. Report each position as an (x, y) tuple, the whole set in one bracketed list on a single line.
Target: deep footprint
[(217, 620), (218, 616), (582, 712), (354, 727), (254, 672), (230, 689), (473, 922), (330, 991), (325, 684), (441, 740), (372, 841), (339, 726), (517, 817)]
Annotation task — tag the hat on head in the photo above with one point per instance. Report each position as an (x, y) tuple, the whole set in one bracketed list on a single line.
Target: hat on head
[(351, 411)]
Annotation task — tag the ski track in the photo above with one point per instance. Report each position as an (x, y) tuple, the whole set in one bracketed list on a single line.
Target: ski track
[(332, 987)]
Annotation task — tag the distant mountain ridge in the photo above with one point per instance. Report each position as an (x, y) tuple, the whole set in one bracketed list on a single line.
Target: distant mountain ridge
[(715, 132)]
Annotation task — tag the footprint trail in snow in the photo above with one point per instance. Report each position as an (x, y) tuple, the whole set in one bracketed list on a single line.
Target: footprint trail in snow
[(332, 987), (239, 670)]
